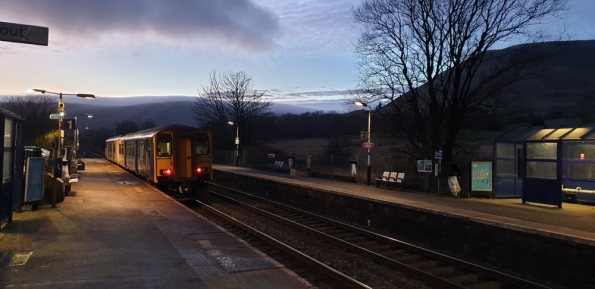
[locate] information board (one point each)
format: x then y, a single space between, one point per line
424 166
481 176
34 179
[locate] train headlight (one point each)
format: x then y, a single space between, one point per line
166 172
201 170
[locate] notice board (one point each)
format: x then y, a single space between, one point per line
481 176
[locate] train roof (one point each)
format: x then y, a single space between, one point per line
153 131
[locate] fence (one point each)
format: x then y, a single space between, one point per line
341 168
325 166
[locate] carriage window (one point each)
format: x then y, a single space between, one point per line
164 145
202 145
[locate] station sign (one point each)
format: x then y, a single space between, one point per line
438 155
22 33
55 116
368 145
69 124
363 134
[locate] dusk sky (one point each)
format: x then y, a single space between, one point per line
158 47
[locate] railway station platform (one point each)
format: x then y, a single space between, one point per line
114 231
573 221
547 242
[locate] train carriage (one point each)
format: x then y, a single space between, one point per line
176 158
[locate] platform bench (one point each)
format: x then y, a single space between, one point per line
277 165
391 179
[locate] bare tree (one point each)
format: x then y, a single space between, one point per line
430 60
36 110
229 97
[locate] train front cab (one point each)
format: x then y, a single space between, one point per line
183 159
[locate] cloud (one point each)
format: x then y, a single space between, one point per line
214 25
316 26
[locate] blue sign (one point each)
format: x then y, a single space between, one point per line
34 179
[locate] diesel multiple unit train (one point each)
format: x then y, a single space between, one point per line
175 158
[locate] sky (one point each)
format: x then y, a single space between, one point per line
169 47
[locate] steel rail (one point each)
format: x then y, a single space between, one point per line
334 274
402 266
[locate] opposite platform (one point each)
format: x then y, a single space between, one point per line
115 231
572 222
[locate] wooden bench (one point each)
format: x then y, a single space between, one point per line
391 179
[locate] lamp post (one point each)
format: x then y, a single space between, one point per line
237 141
369 171
61 111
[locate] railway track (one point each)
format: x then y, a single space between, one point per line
315 272
436 269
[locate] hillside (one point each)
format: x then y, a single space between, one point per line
562 84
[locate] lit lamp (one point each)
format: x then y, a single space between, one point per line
369 144
61 110
237 141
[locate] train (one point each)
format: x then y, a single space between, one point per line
176 158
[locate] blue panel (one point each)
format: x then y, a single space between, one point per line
34 179
543 191
507 187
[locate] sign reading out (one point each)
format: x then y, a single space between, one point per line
22 33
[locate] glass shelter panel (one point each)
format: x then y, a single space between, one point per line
505 168
579 170
542 170
505 150
542 151
579 151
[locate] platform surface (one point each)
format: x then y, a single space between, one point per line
574 222
114 231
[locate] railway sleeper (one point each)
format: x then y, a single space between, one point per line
369 243
486 285
345 235
355 239
335 232
470 278
381 248
425 264
394 253
408 258
443 271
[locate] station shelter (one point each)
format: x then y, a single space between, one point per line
551 165
12 163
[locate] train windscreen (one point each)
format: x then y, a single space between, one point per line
164 145
202 145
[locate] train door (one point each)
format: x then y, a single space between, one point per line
140 156
184 157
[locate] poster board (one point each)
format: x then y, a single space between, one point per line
424 166
481 176
34 179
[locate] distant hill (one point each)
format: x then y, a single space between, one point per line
563 85
107 112
564 81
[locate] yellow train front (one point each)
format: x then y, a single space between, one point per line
176 158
